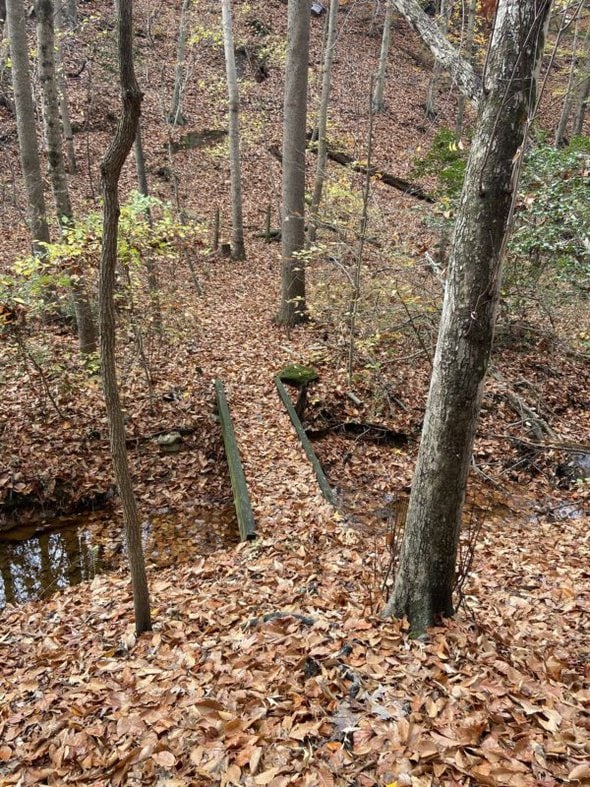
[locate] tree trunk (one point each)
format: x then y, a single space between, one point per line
238 251
323 120
446 8
293 308
176 117
57 173
111 166
469 39
25 123
445 53
64 107
583 91
426 574
378 102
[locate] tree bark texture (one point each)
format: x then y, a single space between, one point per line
426 574
25 123
293 308
323 119
378 101
57 173
238 251
445 53
111 167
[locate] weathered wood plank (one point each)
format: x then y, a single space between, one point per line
242 503
307 447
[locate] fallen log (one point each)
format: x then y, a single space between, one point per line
242 503
385 177
374 433
307 447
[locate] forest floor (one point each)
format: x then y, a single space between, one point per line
269 663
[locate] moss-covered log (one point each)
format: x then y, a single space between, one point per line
307 447
242 504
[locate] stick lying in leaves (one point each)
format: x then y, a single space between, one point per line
238 479
385 177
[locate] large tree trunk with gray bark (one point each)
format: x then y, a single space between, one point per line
426 573
111 167
293 309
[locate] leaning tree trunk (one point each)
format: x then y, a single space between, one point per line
111 166
426 573
238 251
176 117
323 121
25 124
293 308
57 172
467 81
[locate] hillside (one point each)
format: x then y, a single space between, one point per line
269 662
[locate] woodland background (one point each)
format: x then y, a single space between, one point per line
268 662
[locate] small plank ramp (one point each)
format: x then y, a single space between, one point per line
242 503
307 447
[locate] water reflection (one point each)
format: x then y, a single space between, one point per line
43 563
35 564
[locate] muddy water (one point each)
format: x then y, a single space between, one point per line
38 560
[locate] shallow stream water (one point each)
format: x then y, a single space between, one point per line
38 559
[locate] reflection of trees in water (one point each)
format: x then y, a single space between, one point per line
40 565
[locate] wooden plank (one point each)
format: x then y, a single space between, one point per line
236 471
307 447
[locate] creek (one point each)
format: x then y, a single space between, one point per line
38 559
